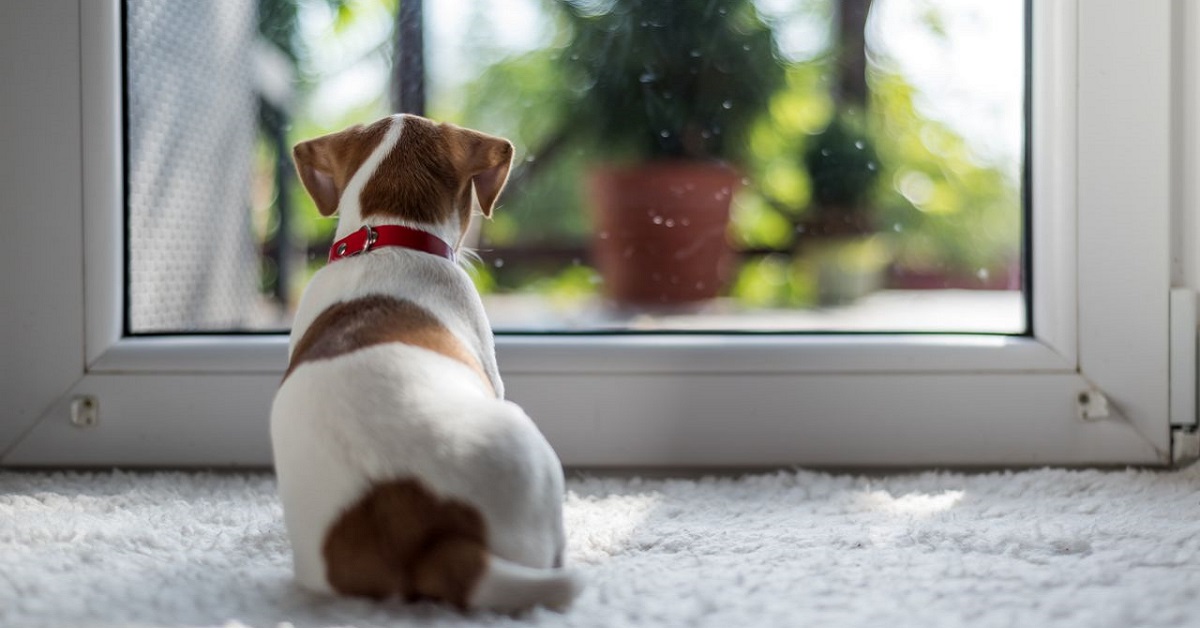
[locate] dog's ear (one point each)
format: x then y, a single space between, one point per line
315 165
486 159
327 163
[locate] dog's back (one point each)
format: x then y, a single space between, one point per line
401 469
445 482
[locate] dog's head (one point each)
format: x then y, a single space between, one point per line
405 168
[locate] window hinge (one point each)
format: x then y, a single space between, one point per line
1185 446
85 411
1092 405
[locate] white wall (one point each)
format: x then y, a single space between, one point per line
40 173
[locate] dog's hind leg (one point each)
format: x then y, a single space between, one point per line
400 539
449 570
358 561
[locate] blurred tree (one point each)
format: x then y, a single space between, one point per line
954 218
408 58
850 90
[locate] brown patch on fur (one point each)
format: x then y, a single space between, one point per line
416 180
326 164
352 325
400 539
428 176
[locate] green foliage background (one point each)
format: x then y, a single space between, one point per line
944 210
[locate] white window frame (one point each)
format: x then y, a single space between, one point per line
1107 248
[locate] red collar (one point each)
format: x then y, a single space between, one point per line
369 238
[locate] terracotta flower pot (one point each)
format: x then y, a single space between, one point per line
660 231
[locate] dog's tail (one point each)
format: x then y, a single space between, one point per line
508 587
499 585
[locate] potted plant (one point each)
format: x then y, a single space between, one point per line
839 233
668 92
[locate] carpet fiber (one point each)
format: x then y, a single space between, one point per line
1030 549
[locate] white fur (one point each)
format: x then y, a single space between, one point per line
438 285
394 411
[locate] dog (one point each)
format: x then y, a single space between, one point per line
402 470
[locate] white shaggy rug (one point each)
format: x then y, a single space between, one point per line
1028 549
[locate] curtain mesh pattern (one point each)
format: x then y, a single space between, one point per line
192 121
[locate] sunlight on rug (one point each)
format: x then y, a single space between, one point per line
1033 548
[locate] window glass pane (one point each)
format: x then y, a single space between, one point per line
775 165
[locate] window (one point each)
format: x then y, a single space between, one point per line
1110 286
740 165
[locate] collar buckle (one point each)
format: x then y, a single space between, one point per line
372 236
368 242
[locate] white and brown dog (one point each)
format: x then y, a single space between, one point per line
402 469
